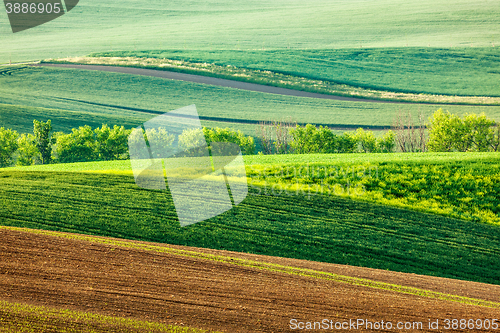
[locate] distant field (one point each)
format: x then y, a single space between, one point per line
71 98
448 71
277 24
318 228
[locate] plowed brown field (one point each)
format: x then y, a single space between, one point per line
136 281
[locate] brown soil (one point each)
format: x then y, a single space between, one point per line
168 288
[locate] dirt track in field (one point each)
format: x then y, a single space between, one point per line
216 82
58 272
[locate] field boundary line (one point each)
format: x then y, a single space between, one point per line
305 272
250 79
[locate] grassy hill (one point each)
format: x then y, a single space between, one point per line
449 71
324 228
277 24
72 98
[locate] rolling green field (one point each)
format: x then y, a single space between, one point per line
459 185
319 228
106 25
71 98
327 228
448 71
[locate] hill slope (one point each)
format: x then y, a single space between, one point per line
320 228
217 290
278 24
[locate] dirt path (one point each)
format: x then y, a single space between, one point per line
215 82
50 270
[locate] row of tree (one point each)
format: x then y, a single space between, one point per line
100 144
443 133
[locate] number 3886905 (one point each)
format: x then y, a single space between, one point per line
33 8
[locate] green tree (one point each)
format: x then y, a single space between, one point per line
43 140
442 134
387 142
111 143
8 145
162 140
78 146
217 134
367 141
310 139
478 132
193 142
27 151
448 132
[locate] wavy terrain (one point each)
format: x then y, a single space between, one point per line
219 290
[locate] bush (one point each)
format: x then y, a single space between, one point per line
310 139
217 134
8 145
27 152
387 142
448 132
111 144
78 146
189 139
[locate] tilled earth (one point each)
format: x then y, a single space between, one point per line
111 280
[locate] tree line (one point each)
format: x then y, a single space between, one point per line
444 132
104 143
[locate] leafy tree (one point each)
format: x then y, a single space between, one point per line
27 152
111 144
78 146
347 144
161 140
217 134
478 132
386 143
43 140
303 139
8 145
193 142
310 139
367 141
448 132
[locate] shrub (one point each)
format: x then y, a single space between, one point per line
8 145
27 152
217 134
78 146
111 144
387 142
448 132
310 139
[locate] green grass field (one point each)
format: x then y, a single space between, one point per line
278 24
71 98
328 228
448 71
459 185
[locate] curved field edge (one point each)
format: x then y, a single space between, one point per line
277 79
319 228
18 317
272 267
458 185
